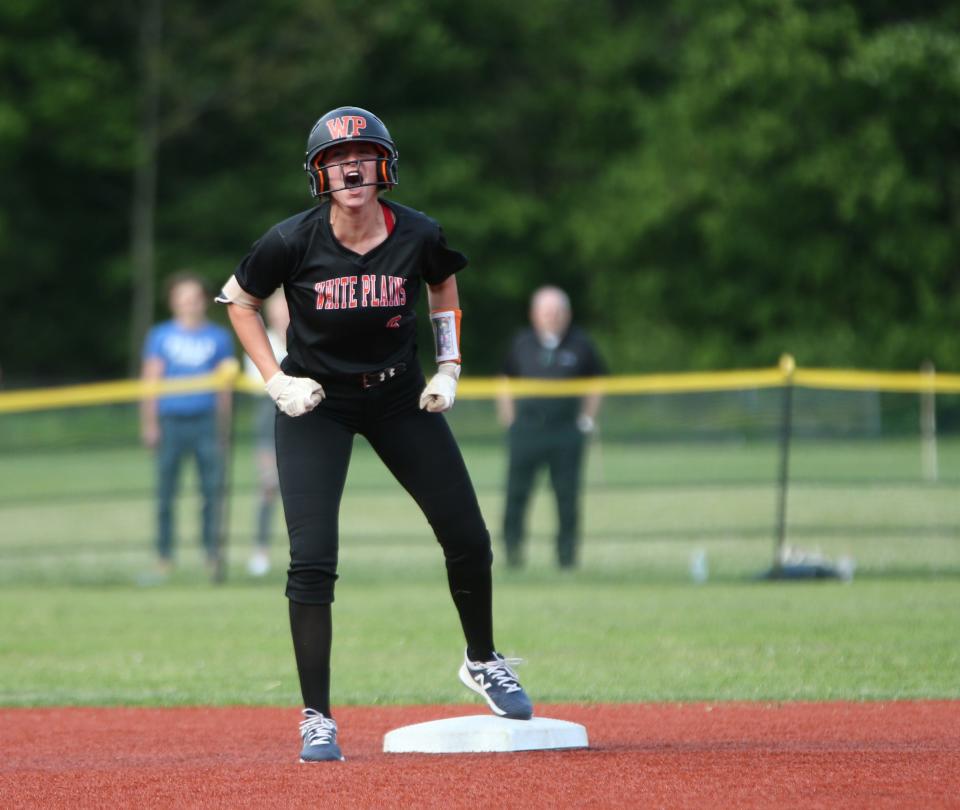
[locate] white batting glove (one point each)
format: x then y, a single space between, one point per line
295 396
441 391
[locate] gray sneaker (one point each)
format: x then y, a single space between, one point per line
497 683
319 736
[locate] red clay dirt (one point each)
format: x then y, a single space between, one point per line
809 755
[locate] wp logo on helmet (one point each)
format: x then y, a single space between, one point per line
346 126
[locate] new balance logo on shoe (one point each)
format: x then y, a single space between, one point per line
497 683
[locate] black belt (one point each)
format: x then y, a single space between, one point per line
374 378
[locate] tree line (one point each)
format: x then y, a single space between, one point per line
712 183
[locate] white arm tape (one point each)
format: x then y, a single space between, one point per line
233 293
444 325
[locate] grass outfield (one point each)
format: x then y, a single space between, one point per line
85 516
75 531
584 641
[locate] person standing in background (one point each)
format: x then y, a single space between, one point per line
194 424
277 318
548 431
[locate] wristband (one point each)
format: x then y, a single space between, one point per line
446 334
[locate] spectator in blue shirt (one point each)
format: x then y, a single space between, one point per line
179 425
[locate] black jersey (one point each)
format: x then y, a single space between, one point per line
574 356
349 314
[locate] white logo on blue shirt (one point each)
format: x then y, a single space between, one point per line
189 351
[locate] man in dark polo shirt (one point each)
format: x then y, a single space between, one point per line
548 431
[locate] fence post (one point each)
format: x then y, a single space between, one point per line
928 426
787 367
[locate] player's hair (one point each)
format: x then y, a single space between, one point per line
184 277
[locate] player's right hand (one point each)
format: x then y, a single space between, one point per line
295 396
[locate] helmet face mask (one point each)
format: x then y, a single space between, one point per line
346 125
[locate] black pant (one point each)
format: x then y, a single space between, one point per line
560 448
313 453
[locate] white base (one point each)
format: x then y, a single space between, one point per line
479 733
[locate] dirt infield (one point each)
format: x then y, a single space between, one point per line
904 754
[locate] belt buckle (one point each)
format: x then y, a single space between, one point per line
371 379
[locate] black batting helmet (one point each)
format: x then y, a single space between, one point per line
343 125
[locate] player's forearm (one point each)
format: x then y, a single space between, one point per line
444 302
445 315
252 335
444 295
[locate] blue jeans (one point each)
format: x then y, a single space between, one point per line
180 436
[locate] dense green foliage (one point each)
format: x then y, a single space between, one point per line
714 183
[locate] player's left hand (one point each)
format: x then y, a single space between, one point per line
441 391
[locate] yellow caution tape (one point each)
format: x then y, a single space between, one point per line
228 377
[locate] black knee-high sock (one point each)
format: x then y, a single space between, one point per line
472 593
312 631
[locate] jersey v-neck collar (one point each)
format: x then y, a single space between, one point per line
389 220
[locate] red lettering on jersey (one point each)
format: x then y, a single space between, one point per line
394 322
347 126
341 293
396 288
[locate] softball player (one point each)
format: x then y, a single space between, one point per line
351 269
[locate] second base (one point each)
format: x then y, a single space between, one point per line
484 733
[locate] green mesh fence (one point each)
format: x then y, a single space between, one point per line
676 485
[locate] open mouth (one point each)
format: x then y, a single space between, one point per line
352 179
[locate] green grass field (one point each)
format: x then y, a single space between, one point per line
584 641
629 625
